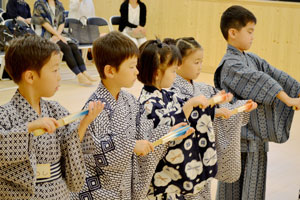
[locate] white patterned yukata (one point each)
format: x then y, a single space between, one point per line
20 152
113 169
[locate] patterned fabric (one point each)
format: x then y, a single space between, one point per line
227 132
113 170
252 183
42 14
20 152
247 76
189 163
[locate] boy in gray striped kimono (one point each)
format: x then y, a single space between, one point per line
248 76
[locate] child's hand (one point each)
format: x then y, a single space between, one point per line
200 100
143 147
223 112
253 106
46 123
95 108
187 133
295 102
228 98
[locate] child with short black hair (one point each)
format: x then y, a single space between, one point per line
227 130
121 164
189 163
51 165
248 76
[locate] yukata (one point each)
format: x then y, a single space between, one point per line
21 153
189 163
113 169
247 76
227 131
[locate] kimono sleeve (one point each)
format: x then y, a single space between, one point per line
248 83
285 80
13 139
228 145
17 157
144 166
73 167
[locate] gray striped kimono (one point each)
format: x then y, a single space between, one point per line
247 76
227 132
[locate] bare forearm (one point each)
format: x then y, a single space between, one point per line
50 29
282 96
61 28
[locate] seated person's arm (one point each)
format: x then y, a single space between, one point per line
56 36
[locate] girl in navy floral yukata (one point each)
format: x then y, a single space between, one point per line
189 163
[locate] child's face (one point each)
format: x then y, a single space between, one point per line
166 79
47 83
127 74
191 65
244 37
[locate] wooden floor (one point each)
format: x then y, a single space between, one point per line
283 178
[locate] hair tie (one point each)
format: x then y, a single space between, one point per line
159 43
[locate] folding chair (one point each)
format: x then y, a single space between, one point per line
8 23
114 20
66 13
83 47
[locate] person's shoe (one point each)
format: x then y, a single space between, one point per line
89 77
82 79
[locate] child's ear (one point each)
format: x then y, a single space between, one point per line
29 76
109 71
232 32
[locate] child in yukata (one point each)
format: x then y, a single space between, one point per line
227 130
120 164
188 163
248 76
51 165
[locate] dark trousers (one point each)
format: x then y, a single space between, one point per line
72 56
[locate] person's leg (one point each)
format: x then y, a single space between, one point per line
71 62
233 191
255 177
80 61
68 56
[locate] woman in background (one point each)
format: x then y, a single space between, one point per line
50 21
18 9
133 20
79 8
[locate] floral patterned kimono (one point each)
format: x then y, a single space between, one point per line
228 133
189 163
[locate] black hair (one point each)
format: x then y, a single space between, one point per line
235 17
112 49
156 55
30 52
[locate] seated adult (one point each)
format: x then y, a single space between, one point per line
49 20
133 20
18 9
79 8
